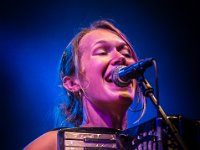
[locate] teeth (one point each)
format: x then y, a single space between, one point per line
109 79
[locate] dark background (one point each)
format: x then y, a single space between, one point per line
33 35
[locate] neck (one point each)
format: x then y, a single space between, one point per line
94 117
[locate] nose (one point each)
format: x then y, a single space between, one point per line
118 59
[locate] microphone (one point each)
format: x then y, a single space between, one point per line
123 75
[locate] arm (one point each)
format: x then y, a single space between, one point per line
47 141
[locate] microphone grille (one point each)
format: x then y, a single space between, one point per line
116 79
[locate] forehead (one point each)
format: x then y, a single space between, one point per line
97 35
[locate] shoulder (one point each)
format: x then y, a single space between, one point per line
47 141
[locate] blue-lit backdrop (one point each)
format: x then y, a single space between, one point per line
33 35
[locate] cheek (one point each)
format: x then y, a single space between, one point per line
92 66
91 72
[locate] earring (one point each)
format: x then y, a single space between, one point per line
79 93
69 94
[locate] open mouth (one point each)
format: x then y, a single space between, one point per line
109 79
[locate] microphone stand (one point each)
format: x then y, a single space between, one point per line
148 92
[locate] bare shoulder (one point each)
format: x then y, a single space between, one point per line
47 141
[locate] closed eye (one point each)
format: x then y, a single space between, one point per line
126 52
100 51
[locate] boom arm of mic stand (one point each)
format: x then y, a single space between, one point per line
148 92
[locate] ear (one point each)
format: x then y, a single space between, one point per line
71 84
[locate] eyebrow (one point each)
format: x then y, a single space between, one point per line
107 42
100 42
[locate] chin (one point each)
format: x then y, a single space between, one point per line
125 98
